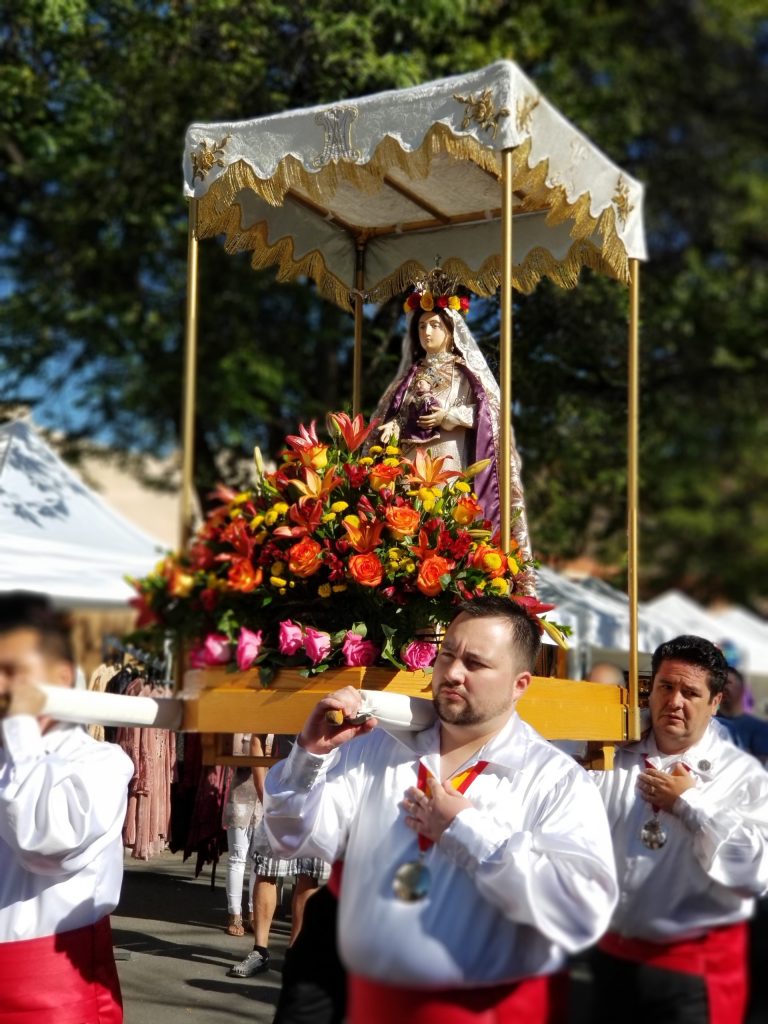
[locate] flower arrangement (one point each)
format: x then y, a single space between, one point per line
427 301
344 555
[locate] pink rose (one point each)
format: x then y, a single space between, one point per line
317 644
357 651
419 654
248 647
214 650
291 637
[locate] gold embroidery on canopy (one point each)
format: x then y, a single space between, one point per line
206 155
337 123
621 200
482 111
525 108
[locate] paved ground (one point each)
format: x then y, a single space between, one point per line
172 924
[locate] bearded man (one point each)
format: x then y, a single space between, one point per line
476 856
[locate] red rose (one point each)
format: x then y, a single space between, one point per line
442 302
402 521
464 303
243 576
366 570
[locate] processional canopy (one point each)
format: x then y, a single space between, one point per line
410 175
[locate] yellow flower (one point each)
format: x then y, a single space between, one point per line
391 449
427 302
291 583
281 591
324 590
375 449
278 581
367 461
280 507
391 462
277 568
339 588
514 565
453 302
329 517
257 520
499 586
394 554
339 506
481 585
410 566
352 519
271 517
463 486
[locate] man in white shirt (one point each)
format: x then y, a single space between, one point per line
451 905
689 818
62 803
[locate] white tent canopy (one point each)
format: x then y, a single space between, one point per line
747 632
363 195
56 535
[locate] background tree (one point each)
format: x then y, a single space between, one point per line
94 100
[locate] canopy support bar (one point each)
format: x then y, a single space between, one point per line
357 366
190 381
505 345
633 386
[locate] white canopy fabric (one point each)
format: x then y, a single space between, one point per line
56 535
387 183
735 626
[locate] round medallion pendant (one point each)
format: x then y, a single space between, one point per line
411 882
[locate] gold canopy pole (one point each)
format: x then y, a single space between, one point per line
505 344
190 382
357 366
633 725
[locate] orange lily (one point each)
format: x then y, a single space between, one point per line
429 472
365 537
353 431
317 486
307 445
306 514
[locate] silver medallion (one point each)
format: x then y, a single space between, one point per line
652 834
412 881
704 766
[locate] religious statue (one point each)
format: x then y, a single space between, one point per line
445 400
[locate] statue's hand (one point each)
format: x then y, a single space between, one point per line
432 419
387 430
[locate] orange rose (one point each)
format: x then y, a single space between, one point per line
383 476
366 569
466 511
304 558
402 521
244 576
431 569
492 561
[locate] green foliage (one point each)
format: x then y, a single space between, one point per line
94 100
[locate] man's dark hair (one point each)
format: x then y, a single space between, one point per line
526 638
694 650
22 609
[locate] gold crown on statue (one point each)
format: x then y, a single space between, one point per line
436 290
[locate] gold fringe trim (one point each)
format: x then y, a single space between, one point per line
219 213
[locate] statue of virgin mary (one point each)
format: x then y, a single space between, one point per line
445 400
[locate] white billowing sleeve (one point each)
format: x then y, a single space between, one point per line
58 812
557 875
309 802
731 842
461 409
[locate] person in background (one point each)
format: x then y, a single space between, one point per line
475 854
689 818
242 813
63 799
747 731
269 871
606 672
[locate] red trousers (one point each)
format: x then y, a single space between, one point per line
533 1001
69 978
719 958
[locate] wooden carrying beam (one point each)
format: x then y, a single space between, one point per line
220 702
